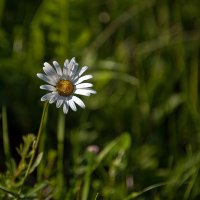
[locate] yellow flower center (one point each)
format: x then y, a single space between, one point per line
64 88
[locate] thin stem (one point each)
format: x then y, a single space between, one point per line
35 145
41 148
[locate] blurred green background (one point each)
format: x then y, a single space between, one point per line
144 55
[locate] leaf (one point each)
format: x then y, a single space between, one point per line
37 162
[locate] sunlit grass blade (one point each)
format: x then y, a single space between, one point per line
133 195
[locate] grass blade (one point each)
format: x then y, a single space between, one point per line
136 194
6 145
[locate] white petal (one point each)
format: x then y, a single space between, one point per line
78 101
65 107
46 79
72 105
65 72
54 98
47 97
85 91
66 63
82 92
72 73
82 70
65 68
49 70
84 85
72 67
59 102
58 68
75 67
91 90
71 64
83 78
47 87
79 73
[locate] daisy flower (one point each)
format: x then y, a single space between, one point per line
64 84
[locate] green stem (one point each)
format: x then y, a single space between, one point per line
60 138
41 148
35 145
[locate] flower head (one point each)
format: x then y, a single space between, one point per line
64 84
